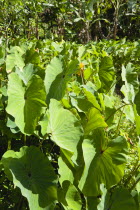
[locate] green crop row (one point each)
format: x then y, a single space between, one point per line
69 125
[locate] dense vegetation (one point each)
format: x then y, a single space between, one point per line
70 105
74 20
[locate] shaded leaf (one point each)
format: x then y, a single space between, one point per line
121 199
33 174
137 102
106 72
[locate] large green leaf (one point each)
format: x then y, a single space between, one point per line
57 76
25 104
103 164
120 199
33 174
63 127
106 72
16 101
53 69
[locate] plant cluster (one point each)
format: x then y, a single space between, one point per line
75 20
69 125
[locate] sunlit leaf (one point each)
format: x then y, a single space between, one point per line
57 76
95 120
26 73
25 103
103 164
130 77
14 58
63 126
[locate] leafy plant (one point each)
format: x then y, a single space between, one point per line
69 140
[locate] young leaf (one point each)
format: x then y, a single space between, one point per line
95 120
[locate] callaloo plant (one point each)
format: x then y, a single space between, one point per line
68 140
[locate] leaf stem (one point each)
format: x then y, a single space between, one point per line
118 126
116 111
9 144
51 148
133 186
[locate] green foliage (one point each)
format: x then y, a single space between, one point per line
70 125
95 120
119 199
79 21
106 72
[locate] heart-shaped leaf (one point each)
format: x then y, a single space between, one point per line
25 103
64 127
57 76
103 164
33 174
